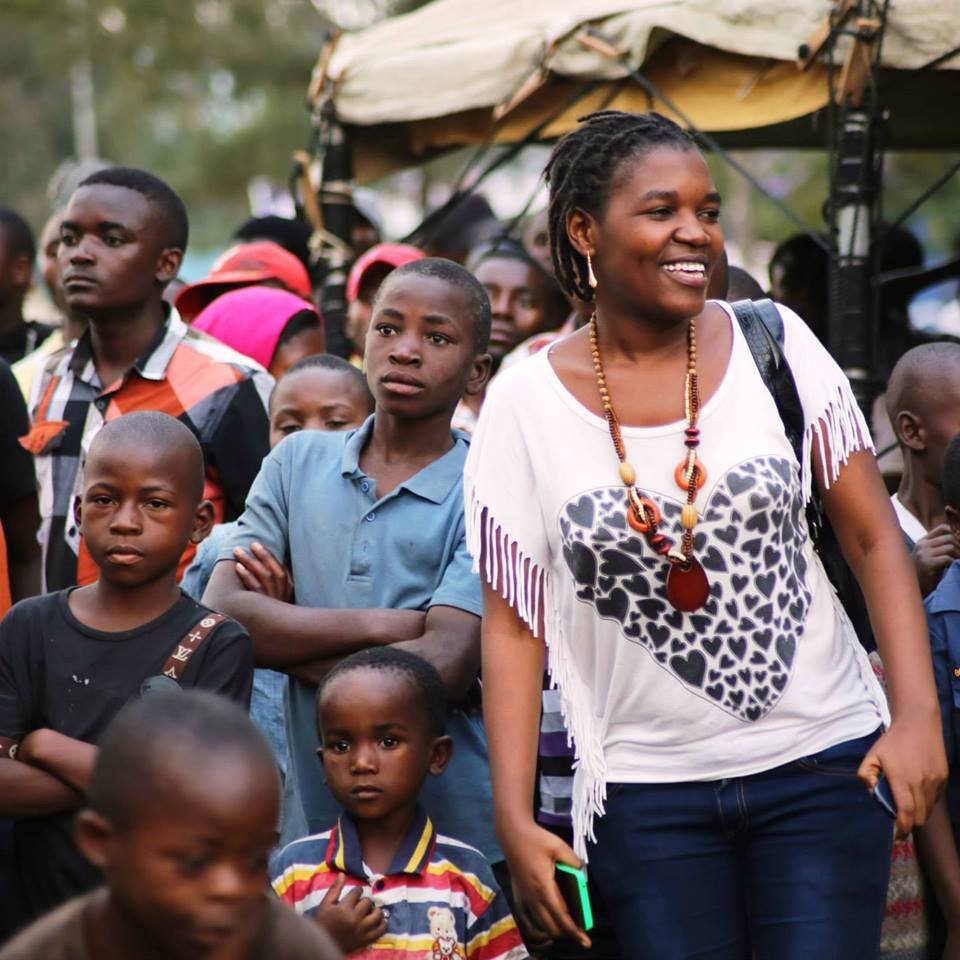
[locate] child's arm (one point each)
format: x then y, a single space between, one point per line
451 642
938 852
286 635
910 753
27 791
451 635
69 760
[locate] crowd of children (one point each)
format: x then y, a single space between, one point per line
240 686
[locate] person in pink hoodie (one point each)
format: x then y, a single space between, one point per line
271 326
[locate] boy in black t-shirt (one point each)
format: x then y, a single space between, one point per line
184 856
70 660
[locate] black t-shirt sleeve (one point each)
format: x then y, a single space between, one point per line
16 687
224 663
17 479
239 444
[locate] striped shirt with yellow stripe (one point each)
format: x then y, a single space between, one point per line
439 896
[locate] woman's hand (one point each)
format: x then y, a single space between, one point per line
532 854
535 939
911 756
261 572
951 949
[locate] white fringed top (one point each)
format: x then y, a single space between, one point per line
770 669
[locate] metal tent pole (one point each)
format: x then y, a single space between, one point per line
337 213
853 208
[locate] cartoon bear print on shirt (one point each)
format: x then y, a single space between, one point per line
738 650
443 929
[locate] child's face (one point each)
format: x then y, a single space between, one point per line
518 302
191 872
317 399
306 343
376 744
110 254
137 514
420 354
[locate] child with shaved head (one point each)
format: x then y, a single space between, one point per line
184 857
69 661
923 400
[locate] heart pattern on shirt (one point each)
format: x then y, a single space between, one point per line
738 651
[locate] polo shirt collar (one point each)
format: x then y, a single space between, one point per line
345 855
434 482
153 362
947 595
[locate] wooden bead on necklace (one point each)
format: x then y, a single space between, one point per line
687 585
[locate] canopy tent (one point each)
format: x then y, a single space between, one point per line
455 72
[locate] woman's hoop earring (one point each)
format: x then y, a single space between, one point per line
591 276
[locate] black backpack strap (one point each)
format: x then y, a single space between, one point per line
762 328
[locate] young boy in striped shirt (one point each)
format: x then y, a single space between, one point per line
382 882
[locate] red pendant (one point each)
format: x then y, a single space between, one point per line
687 586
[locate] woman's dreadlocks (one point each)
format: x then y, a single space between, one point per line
580 172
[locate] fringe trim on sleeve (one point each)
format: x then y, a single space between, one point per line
529 589
839 431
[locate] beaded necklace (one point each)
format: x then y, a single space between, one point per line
687 586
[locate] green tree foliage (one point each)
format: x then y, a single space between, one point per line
207 93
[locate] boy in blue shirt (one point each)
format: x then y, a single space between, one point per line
371 526
939 838
943 624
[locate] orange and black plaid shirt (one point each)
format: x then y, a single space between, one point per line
218 393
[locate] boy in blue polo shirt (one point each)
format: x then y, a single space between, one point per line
371 525
943 625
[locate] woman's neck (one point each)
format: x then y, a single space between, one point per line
623 332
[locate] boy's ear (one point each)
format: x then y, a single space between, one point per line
322 764
77 511
94 835
910 431
168 265
953 519
203 521
479 374
440 753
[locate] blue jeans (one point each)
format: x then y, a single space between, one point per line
790 864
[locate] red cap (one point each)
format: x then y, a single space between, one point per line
392 254
242 266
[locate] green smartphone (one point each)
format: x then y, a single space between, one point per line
572 882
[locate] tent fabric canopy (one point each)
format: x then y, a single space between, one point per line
454 55
435 77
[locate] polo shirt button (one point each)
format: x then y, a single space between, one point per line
365 486
101 405
370 517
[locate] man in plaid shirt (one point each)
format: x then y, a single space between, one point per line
121 242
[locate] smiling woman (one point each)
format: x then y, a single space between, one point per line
637 510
